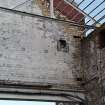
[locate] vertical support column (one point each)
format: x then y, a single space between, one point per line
52 9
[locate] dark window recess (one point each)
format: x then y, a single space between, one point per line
79 79
102 38
76 36
62 45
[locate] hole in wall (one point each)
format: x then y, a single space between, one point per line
62 45
79 79
76 36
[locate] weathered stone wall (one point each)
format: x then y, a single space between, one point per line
38 55
93 64
91 72
28 50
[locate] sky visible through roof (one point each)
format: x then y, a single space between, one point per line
91 7
98 7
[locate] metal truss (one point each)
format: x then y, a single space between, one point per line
53 19
77 6
93 11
